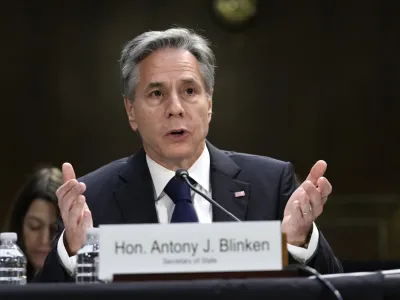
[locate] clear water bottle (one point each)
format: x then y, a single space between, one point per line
87 258
12 260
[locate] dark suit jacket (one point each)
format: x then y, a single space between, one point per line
122 192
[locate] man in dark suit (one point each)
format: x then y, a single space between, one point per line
167 83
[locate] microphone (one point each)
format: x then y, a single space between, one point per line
182 174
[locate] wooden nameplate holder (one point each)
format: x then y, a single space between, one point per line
213 275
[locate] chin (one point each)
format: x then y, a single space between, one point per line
178 151
38 263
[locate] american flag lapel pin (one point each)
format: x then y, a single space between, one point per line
239 194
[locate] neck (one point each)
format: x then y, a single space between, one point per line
178 163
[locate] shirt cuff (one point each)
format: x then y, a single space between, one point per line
302 255
68 262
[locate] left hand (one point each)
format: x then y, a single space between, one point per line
305 205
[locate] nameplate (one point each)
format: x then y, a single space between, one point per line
190 248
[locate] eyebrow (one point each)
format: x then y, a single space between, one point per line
189 81
159 84
153 85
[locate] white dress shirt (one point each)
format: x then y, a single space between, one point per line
200 172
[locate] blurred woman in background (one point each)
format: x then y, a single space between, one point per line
34 216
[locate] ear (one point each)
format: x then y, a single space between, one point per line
130 110
210 106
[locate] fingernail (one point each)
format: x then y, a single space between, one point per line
305 208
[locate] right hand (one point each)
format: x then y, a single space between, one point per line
74 211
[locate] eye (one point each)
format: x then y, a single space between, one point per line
35 227
190 91
156 93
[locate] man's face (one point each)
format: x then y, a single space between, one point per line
171 110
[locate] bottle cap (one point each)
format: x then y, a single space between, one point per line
93 231
8 236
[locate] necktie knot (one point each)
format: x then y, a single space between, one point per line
179 192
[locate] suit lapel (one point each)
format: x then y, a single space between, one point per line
135 196
224 185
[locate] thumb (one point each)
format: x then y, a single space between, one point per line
68 172
317 171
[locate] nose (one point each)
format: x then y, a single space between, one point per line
174 106
45 237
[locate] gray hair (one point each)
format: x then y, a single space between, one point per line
143 45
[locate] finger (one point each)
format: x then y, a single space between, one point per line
317 171
86 221
65 188
305 207
294 197
75 214
68 172
68 200
324 187
314 195
296 216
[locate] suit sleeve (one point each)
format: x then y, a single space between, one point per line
324 261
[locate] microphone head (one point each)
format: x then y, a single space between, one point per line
181 174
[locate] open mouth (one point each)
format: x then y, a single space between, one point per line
177 132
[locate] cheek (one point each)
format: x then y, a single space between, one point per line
29 239
149 122
205 116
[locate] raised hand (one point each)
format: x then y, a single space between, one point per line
74 211
305 205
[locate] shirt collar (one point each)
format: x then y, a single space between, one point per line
199 171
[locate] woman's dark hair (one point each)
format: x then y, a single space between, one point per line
42 184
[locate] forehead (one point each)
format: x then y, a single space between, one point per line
169 64
41 208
